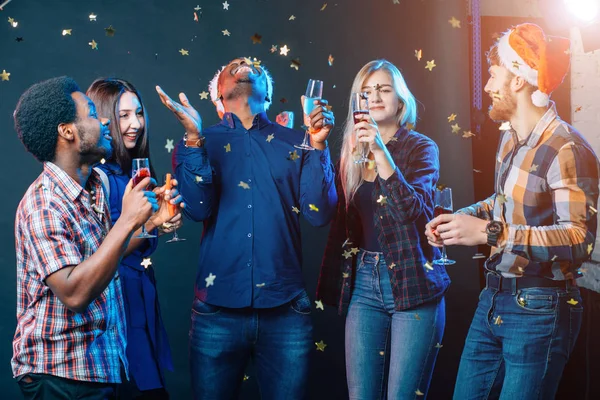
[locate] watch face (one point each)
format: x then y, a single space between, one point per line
494 227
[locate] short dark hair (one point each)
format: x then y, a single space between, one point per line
39 112
106 94
493 58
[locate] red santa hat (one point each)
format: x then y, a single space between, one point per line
541 60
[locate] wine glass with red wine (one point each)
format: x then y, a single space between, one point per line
360 106
140 169
442 200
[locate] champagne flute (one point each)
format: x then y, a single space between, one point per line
360 106
442 200
314 91
140 169
172 209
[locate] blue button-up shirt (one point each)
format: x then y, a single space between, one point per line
249 187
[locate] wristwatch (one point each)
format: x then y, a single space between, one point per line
197 143
493 230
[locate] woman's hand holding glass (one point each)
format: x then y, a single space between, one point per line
168 217
366 131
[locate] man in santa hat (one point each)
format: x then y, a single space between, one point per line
248 183
540 224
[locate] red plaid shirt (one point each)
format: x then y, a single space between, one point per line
59 225
403 205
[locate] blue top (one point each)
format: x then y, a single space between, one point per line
148 348
249 188
364 205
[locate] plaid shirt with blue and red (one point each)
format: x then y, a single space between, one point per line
546 197
403 204
59 224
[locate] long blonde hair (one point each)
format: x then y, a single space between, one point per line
350 173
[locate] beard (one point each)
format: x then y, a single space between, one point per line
504 108
90 149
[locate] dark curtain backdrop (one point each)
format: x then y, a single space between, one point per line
144 50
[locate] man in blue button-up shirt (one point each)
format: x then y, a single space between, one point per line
248 184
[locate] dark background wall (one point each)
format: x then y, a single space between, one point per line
144 49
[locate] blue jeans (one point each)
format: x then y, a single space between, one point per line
279 340
376 335
518 343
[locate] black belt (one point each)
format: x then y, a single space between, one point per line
498 282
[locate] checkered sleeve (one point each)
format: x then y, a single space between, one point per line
50 243
410 192
573 179
483 209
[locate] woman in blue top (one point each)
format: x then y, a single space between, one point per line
148 349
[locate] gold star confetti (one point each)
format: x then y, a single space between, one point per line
533 168
66 32
284 50
467 134
392 265
578 108
330 60
324 6
477 171
244 185
226 33
312 207
417 317
345 275
430 65
319 305
296 210
293 155
567 51
498 321
93 44
4 75
590 248
395 1
573 302
496 36
273 48
13 22
199 179
419 54
501 198
295 64
505 126
256 38
478 256
110 31
439 346
259 285
146 262
451 117
382 200
169 146
321 345
292 17
184 52
270 137
204 95
347 242
454 22
347 254
246 377
428 266
371 164
226 5
382 353
210 279
516 64
103 161
593 210
496 95
354 250
93 17
419 393
455 128
409 126
554 258
227 147
197 8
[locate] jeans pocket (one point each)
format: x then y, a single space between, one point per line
201 308
301 304
536 300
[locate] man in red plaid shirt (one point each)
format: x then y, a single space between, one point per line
70 338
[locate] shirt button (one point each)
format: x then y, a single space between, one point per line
249 264
249 235
249 205
249 180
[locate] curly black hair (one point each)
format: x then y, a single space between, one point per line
40 110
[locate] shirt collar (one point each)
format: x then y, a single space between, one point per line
65 183
543 124
260 120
